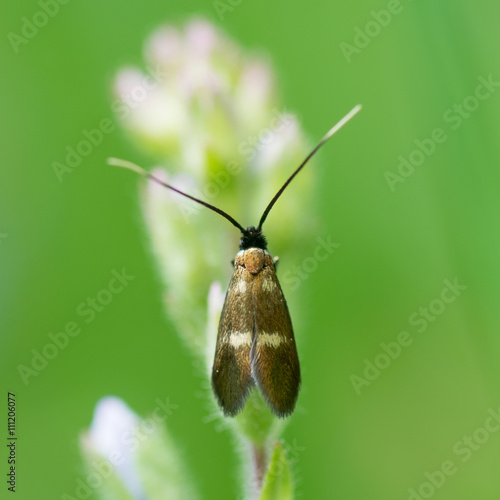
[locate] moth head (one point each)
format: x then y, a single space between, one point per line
252 237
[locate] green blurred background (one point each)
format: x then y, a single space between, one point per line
397 246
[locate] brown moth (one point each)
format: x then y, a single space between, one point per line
255 341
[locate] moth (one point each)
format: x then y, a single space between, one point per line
255 340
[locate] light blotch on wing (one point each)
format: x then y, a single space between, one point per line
268 285
241 286
238 339
271 339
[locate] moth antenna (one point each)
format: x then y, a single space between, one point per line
117 162
329 134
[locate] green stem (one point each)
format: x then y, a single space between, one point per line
259 462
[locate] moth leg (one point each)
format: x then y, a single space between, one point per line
276 259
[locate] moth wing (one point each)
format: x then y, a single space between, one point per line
273 357
231 372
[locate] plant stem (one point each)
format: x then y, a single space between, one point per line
259 462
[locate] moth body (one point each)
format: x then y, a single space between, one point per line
255 342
